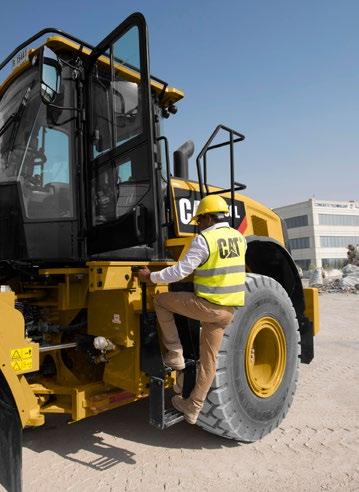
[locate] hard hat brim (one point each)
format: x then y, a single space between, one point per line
194 219
210 204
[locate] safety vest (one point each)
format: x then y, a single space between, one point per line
221 278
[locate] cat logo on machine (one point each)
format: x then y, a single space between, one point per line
187 201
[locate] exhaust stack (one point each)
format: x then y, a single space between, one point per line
180 159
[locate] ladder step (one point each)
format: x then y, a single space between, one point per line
161 417
172 417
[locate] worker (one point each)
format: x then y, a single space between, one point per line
353 255
217 258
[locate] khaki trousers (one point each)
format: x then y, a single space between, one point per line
214 319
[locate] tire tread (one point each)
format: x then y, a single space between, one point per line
215 417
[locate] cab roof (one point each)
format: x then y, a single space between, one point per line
59 43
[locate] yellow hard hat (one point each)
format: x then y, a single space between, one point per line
211 204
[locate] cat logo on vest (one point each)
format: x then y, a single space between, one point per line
228 248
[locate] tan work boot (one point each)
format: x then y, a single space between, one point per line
187 407
178 386
174 360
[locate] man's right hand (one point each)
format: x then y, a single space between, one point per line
144 274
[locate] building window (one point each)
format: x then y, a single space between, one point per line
338 241
299 221
299 243
340 220
304 264
333 262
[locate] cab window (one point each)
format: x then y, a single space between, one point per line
118 187
45 176
117 115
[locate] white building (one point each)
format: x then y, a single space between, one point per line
319 231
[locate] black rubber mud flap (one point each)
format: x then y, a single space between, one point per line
306 340
10 440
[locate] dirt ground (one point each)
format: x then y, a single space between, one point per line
315 448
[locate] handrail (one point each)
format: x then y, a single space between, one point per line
202 180
38 35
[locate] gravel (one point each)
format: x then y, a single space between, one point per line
315 448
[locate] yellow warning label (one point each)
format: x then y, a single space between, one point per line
15 354
21 359
26 353
16 366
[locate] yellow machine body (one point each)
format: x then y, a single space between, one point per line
111 295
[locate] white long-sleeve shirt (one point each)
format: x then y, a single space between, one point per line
196 255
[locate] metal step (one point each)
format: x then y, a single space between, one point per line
172 417
159 416
152 364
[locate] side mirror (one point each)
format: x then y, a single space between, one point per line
50 70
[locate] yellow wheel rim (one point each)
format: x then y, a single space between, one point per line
265 357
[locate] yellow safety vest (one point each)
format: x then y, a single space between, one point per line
221 278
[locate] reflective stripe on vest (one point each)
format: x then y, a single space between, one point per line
221 278
231 289
220 271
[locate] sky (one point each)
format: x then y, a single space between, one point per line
283 73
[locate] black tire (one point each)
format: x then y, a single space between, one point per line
232 409
10 440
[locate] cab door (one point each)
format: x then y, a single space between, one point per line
121 180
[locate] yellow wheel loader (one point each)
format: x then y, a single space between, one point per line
87 196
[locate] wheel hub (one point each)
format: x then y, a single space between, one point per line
265 356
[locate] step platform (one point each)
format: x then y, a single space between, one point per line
160 417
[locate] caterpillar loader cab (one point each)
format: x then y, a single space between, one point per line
79 165
87 197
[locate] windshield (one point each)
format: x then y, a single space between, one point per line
35 149
15 127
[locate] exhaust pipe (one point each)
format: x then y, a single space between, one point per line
180 159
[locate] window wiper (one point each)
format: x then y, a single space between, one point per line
15 117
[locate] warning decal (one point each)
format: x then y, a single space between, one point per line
21 359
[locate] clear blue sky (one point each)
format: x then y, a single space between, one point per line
284 73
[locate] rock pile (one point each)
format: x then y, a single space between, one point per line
345 281
350 278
